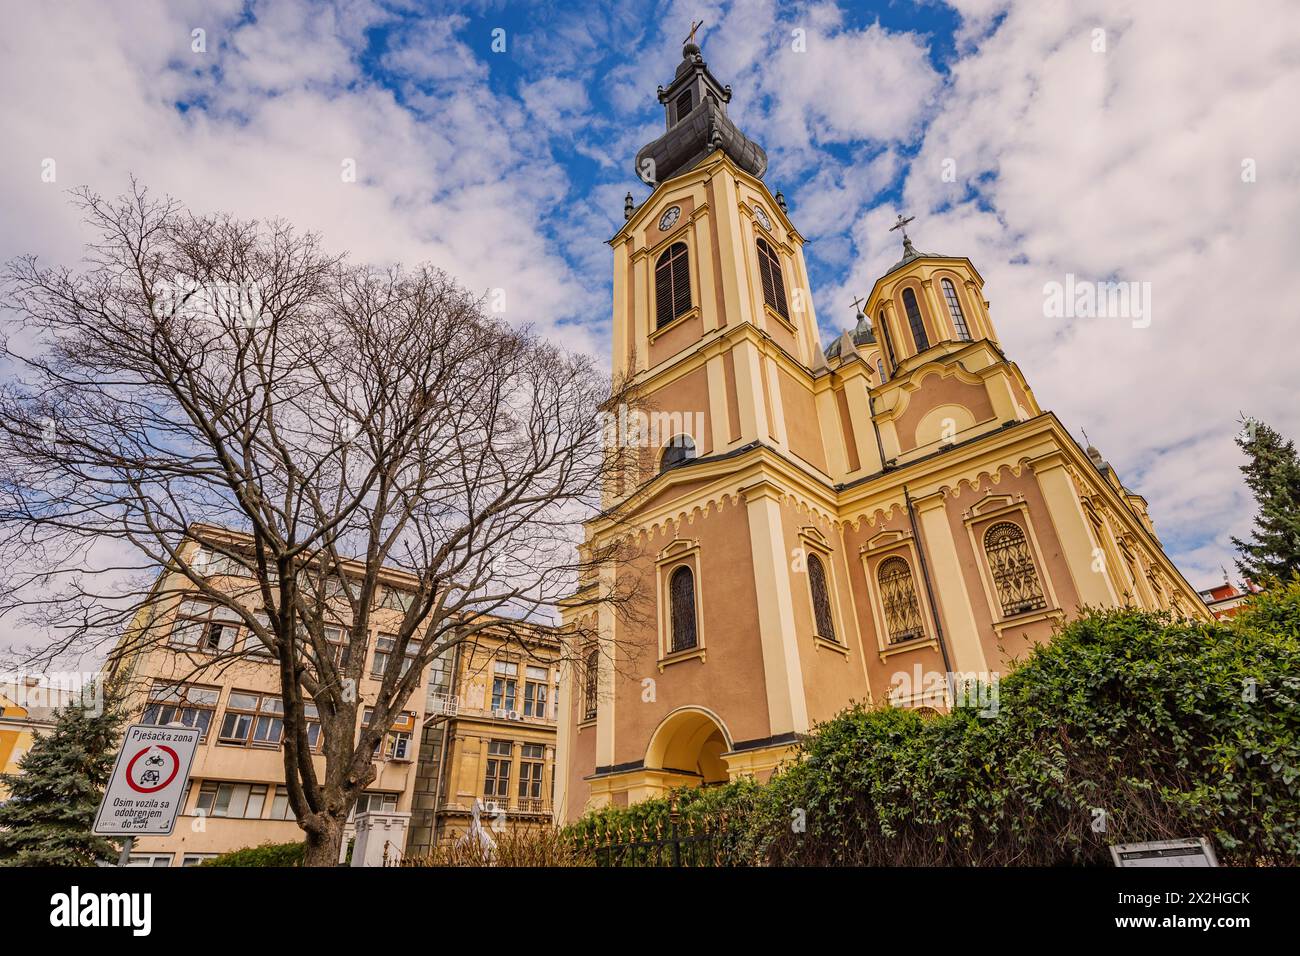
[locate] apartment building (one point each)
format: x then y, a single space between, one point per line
490 738
188 660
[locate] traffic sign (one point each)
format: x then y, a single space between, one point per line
148 783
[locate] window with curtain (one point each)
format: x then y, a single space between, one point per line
914 320
672 284
1012 566
954 309
769 270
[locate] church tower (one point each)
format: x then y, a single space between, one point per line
877 520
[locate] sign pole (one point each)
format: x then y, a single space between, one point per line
125 857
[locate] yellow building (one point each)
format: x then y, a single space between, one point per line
188 660
497 716
28 707
874 521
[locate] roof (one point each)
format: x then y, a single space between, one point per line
704 129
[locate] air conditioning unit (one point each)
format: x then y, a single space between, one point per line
514 715
500 713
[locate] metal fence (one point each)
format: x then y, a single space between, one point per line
675 842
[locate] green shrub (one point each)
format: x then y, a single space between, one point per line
1128 726
268 854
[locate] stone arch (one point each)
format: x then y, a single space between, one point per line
690 741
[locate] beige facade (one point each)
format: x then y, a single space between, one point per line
497 715
185 660
869 522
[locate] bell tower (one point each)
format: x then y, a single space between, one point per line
709 275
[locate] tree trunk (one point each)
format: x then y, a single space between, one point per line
324 840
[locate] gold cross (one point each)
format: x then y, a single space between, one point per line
902 224
694 26
858 303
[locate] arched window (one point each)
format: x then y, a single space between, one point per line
914 320
681 597
898 595
880 367
1014 576
680 449
591 683
821 598
954 307
889 341
769 268
672 284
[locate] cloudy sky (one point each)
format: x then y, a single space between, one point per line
1133 141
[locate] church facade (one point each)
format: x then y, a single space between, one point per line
881 520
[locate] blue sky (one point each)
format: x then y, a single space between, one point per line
1102 139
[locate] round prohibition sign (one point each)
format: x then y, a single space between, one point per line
130 769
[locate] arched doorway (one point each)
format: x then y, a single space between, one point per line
690 742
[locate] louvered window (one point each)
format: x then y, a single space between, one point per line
914 320
954 308
1014 576
681 592
821 598
898 595
889 341
684 104
672 284
769 268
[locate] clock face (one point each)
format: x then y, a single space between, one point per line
669 218
762 218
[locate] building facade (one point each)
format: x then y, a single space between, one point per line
876 521
492 724
188 660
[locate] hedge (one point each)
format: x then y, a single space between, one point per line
268 854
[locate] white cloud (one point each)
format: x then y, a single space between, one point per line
1127 164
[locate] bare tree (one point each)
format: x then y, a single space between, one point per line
202 373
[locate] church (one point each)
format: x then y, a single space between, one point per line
883 520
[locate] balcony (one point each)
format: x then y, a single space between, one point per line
490 806
444 705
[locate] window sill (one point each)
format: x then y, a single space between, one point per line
826 642
692 312
679 656
773 314
913 645
1028 617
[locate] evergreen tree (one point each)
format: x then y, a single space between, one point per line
1273 477
47 819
